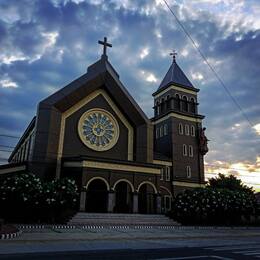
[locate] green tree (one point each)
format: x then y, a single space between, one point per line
230 182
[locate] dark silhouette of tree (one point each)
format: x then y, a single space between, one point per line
230 182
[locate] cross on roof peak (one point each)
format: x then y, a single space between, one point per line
173 54
105 45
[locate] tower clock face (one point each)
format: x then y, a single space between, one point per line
98 129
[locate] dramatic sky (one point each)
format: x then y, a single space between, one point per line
45 44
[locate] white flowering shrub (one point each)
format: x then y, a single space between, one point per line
25 198
22 188
62 192
213 206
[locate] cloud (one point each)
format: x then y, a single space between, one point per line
248 172
197 76
46 44
257 128
6 82
144 53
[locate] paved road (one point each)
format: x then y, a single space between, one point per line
246 251
123 244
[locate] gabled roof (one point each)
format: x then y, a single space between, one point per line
101 74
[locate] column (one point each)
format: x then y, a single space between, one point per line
158 204
111 202
82 206
135 202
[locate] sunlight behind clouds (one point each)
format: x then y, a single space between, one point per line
144 53
148 76
257 128
7 83
197 76
248 172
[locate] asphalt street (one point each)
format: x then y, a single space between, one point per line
249 251
123 244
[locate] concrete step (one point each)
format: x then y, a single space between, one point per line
82 218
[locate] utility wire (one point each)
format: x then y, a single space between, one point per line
7 146
206 165
3 150
209 65
9 136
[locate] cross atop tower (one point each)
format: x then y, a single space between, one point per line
173 54
105 45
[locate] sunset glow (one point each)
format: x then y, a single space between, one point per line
249 173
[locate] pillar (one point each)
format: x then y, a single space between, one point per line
135 203
82 206
111 202
158 204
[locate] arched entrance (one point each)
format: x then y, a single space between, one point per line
123 197
146 199
97 196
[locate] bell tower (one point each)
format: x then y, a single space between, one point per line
178 127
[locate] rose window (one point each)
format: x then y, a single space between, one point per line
98 129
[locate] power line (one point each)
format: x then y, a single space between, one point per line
209 65
9 136
206 165
3 150
7 146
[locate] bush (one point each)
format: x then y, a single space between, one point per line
24 198
209 206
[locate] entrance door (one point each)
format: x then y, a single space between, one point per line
146 199
96 200
123 198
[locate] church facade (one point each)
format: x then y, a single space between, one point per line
93 131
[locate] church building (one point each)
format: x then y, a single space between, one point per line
93 131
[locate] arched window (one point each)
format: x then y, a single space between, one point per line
161 131
192 105
192 130
162 173
180 129
162 105
168 173
168 102
188 171
187 130
190 151
177 103
184 150
165 129
157 133
185 103
157 108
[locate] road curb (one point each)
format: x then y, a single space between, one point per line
92 226
10 235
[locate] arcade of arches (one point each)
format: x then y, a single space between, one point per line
98 196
